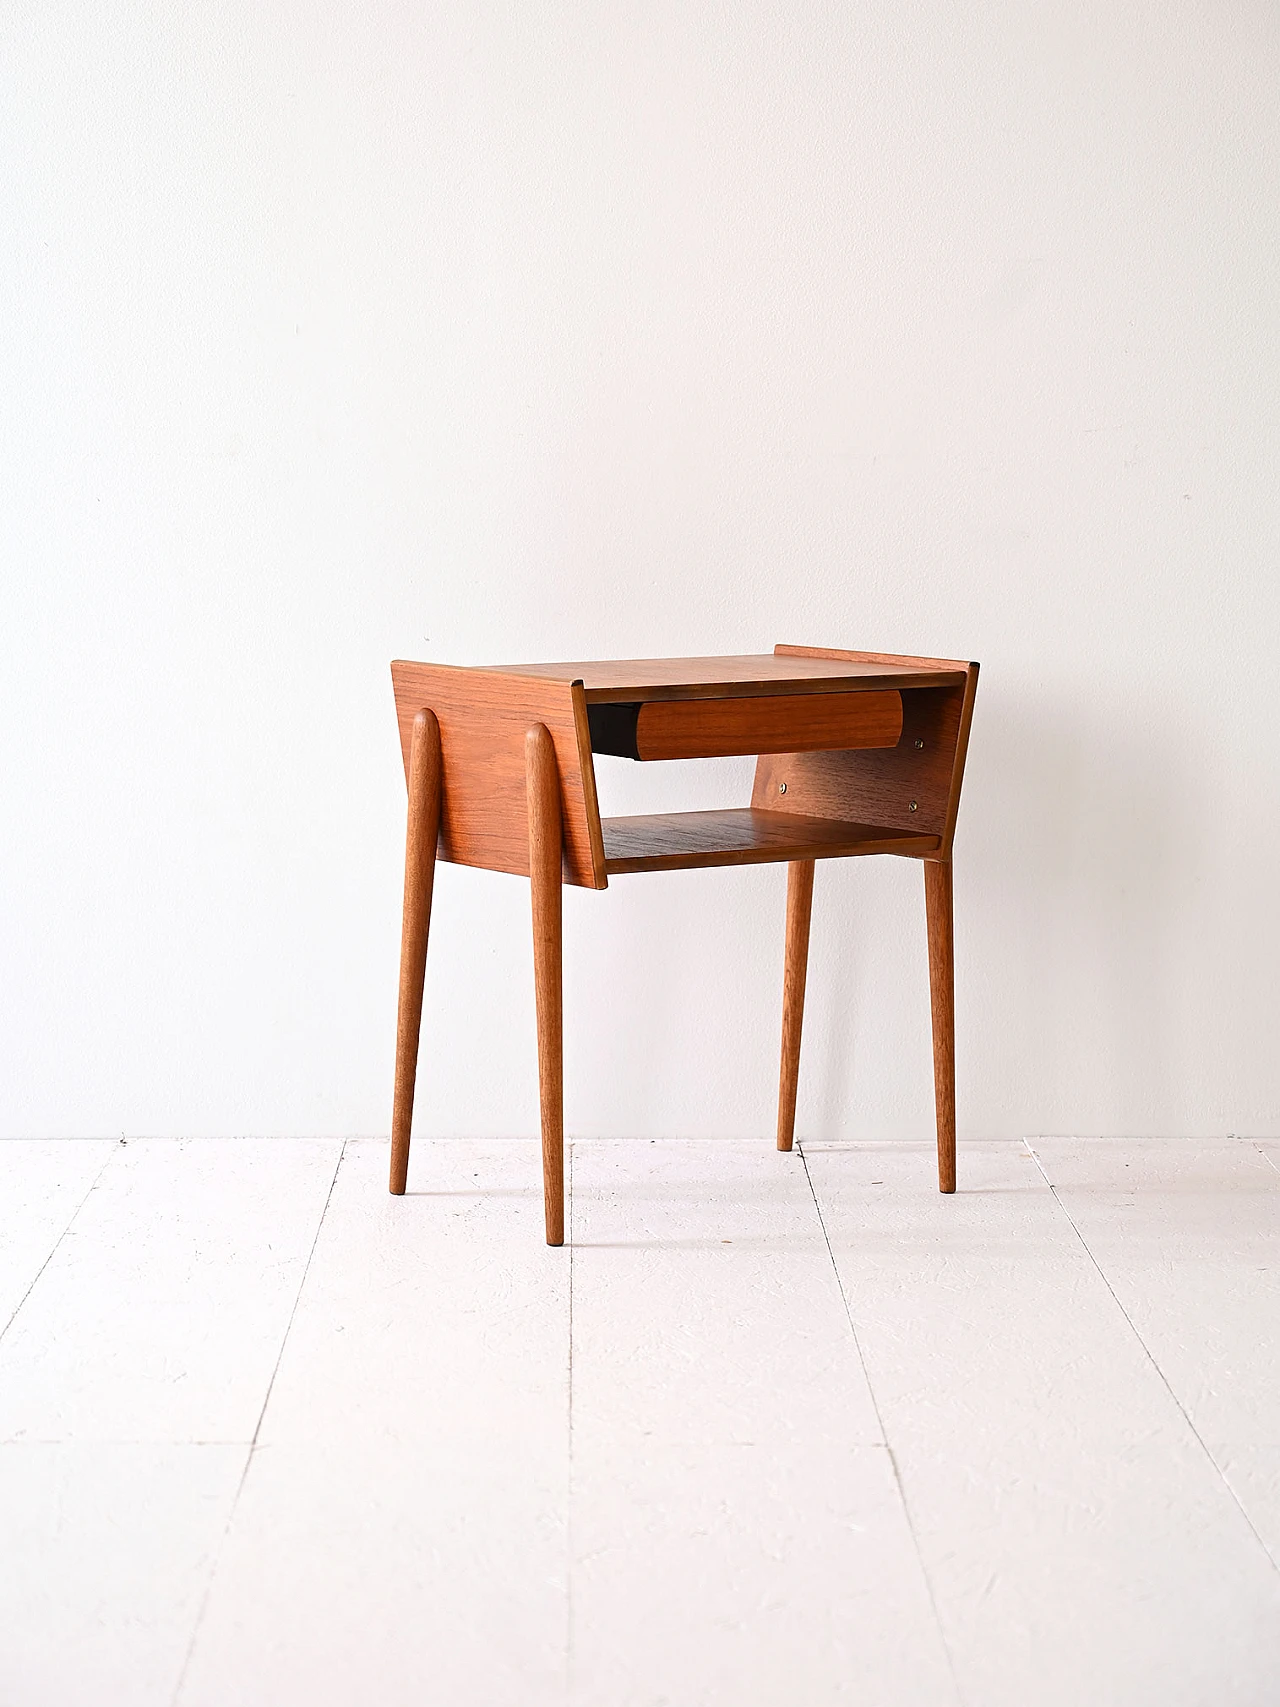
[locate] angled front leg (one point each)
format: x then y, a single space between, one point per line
542 781
419 879
799 908
942 995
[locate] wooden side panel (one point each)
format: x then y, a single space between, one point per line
587 771
961 754
914 785
484 717
717 728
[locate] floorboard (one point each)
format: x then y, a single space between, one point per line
105 1557
731 1507
770 1427
42 1186
161 1314
403 1522
1080 1543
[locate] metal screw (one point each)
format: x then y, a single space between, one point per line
919 742
915 805
782 788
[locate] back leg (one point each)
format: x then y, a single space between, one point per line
942 996
799 910
545 856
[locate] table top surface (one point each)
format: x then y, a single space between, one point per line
620 680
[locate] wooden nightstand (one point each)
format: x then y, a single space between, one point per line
859 753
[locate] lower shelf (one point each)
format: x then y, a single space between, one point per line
676 841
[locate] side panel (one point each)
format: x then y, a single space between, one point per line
879 787
484 717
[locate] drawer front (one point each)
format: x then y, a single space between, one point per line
718 728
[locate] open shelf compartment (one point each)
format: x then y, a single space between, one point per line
677 841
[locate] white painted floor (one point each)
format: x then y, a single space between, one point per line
770 1429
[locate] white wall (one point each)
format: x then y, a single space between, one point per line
332 333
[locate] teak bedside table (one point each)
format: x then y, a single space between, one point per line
859 753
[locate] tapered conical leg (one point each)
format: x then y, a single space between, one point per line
419 879
937 901
545 839
799 909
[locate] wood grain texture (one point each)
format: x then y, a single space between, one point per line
590 801
959 757
546 890
938 912
795 970
484 716
774 723
677 841
903 660
795 671
926 766
875 787
419 879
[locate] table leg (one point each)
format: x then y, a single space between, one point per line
419 879
799 909
545 843
937 901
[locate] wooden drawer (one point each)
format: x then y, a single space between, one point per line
718 728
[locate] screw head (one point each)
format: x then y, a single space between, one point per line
919 742
915 805
782 788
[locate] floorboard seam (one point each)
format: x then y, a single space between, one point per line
253 1444
111 1155
1183 1412
892 1456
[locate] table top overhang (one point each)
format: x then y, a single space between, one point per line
607 681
